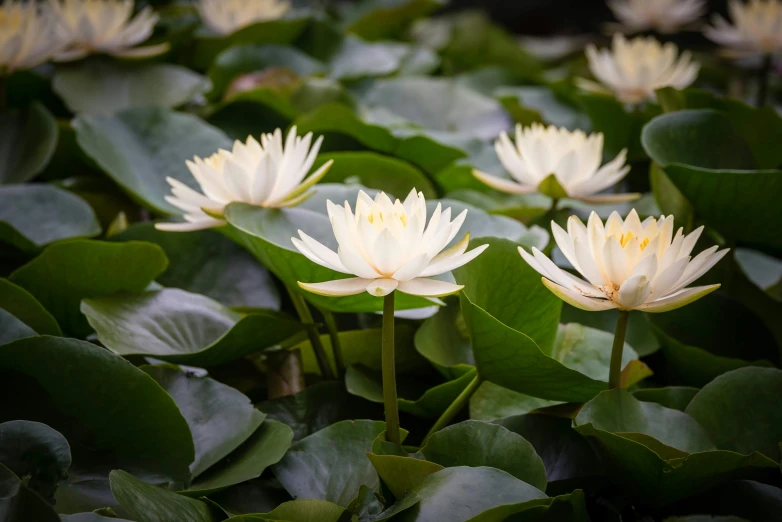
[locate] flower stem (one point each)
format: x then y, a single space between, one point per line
389 371
615 373
336 344
763 79
454 408
312 331
553 207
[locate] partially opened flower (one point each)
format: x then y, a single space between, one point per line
27 35
572 158
389 246
228 16
756 29
104 27
664 16
267 174
633 70
627 264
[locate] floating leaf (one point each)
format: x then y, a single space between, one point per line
402 474
30 137
20 303
378 19
300 510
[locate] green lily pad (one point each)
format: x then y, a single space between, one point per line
639 331
740 411
30 137
300 510
673 397
436 399
331 463
491 402
139 148
253 112
21 304
125 410
545 103
570 508
12 328
147 503
205 262
58 215
444 341
475 443
177 326
763 270
90 517
220 417
18 502
402 474
65 273
379 19
356 59
102 86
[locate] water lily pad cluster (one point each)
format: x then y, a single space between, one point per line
155 370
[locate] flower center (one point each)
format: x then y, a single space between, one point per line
625 238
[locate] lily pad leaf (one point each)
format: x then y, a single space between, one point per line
22 305
436 399
18 502
378 19
177 326
12 328
475 443
126 410
29 140
401 474
58 215
300 510
65 273
331 463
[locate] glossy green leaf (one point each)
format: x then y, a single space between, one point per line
30 137
402 474
300 510
140 148
763 270
740 411
639 331
668 197
551 109
674 397
564 508
100 86
65 273
621 129
253 112
588 350
174 325
18 503
331 463
491 402
264 447
205 262
375 171
356 59
378 19
475 443
147 503
444 341
460 493
436 399
21 304
125 410
220 417
90 517
12 328
58 215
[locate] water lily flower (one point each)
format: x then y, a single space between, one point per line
389 246
27 36
228 16
756 29
104 27
628 264
632 70
267 174
558 163
664 16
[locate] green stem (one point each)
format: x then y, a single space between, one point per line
553 207
454 408
336 344
763 79
615 375
389 372
312 331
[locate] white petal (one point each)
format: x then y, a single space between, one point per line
614 261
382 287
412 268
678 299
634 291
578 300
386 253
188 227
318 253
503 185
665 280
586 263
428 287
338 287
451 263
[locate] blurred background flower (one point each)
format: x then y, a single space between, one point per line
228 16
663 16
28 35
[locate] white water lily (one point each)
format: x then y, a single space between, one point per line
389 246
27 35
228 16
664 16
104 27
628 264
756 28
267 174
633 69
573 158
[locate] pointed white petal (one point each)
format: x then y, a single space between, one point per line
428 287
578 300
634 292
678 299
338 287
382 287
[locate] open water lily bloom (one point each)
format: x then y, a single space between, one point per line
27 35
756 28
389 246
573 158
228 16
266 173
634 69
627 264
104 27
664 16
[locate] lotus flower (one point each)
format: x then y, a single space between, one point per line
629 265
27 36
756 29
104 27
572 158
633 70
389 246
228 16
664 16
266 174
